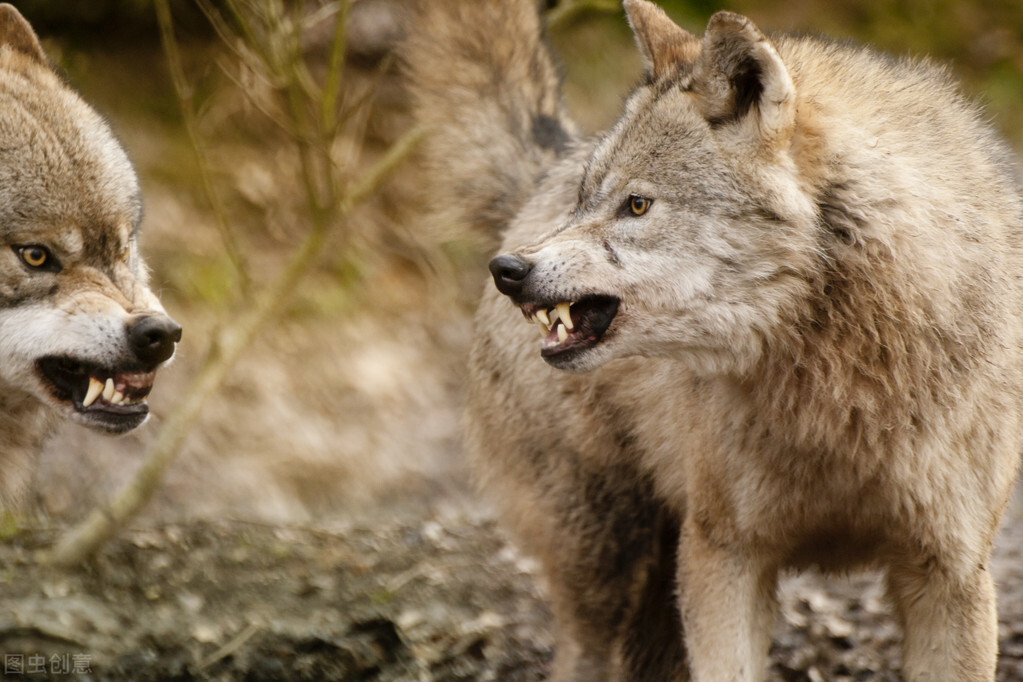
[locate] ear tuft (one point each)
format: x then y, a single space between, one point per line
663 43
16 32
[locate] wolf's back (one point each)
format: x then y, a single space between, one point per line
485 85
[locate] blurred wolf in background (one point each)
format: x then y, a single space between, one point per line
81 334
781 312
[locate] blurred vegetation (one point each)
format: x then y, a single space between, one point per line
981 40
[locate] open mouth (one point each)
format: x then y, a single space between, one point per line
571 327
110 398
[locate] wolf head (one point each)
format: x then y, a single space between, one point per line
80 331
692 225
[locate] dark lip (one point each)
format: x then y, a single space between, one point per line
67 379
592 315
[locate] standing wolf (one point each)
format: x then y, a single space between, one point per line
81 334
780 307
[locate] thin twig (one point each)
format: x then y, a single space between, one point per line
263 48
229 648
184 95
246 91
335 65
226 35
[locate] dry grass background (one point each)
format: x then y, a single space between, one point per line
351 403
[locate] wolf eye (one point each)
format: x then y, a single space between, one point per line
126 254
639 205
37 257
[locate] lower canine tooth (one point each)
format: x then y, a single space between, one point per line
108 389
95 388
562 333
565 316
117 398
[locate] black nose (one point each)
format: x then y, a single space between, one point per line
509 273
153 338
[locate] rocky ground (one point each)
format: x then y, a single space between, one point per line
438 596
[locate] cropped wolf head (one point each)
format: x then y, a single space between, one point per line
81 334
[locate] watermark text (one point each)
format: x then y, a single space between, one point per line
39 664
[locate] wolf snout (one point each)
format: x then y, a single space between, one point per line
509 273
153 338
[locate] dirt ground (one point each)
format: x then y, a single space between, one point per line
438 595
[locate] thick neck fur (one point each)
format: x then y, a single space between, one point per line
868 366
24 425
888 341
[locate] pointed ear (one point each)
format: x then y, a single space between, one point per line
16 32
740 73
663 43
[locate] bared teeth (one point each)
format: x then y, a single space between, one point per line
108 389
95 389
548 319
542 321
116 392
564 315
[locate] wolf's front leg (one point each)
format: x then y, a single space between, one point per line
949 620
612 586
728 602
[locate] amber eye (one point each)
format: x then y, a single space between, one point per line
34 256
639 205
126 254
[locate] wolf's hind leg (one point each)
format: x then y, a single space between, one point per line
949 621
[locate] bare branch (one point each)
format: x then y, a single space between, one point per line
332 84
184 95
231 647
